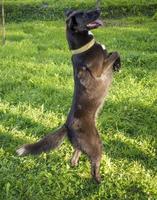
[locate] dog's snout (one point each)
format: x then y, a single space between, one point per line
98 11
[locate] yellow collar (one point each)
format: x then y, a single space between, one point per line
84 48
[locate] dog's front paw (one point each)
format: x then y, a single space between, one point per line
117 64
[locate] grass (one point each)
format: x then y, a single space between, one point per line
36 87
74 2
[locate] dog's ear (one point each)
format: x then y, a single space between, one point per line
69 22
67 12
70 18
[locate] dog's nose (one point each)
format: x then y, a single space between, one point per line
97 11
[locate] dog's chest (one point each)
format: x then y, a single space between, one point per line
95 86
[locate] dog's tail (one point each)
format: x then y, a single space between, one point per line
49 142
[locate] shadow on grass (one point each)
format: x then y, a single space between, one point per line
138 124
50 97
116 149
18 122
15 38
131 118
83 191
10 140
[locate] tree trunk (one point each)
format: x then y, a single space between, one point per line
3 24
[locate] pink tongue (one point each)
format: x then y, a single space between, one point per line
98 21
95 23
92 25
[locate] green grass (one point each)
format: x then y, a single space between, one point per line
74 2
36 86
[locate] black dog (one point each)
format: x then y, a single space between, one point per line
93 68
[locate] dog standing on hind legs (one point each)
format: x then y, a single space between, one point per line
93 67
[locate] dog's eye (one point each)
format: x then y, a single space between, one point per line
85 15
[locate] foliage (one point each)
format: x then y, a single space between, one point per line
19 10
36 87
155 17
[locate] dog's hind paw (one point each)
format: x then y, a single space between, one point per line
21 151
97 179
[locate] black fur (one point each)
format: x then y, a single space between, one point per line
93 71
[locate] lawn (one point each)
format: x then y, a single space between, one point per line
36 87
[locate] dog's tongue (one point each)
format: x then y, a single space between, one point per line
96 23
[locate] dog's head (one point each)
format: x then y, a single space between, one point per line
79 21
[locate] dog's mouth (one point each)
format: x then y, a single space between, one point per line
95 24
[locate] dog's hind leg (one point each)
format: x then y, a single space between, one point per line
75 157
95 167
94 153
93 148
